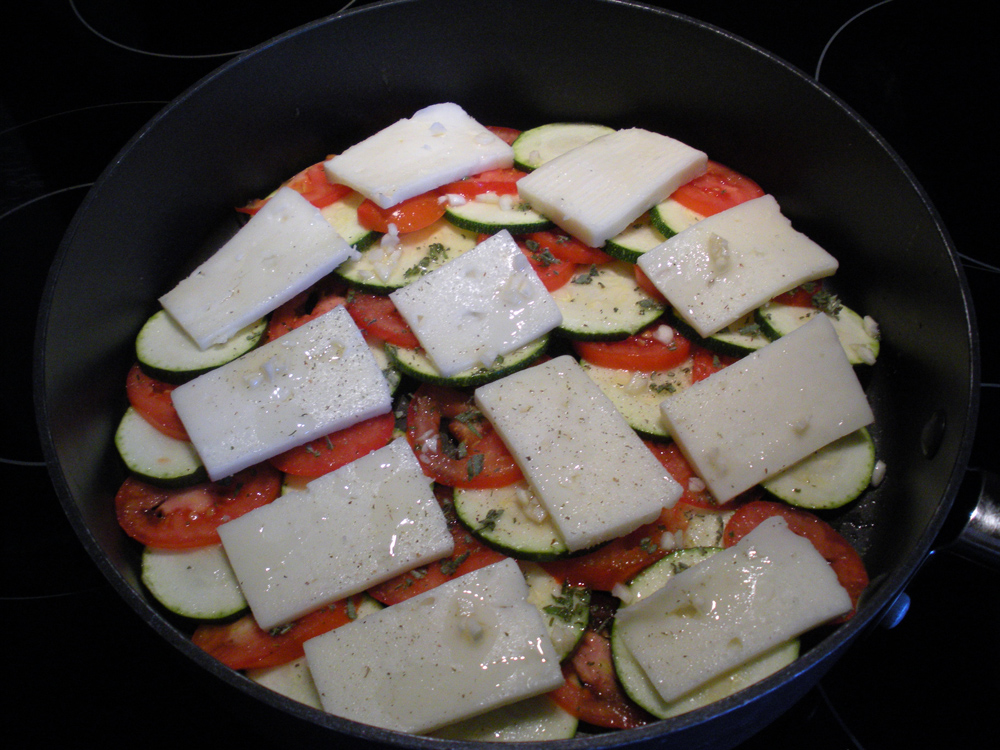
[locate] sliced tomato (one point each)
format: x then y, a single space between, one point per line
441 420
507 135
568 248
377 316
314 185
592 692
328 453
707 362
643 282
835 549
242 644
499 181
469 554
553 272
189 518
151 398
642 352
680 469
801 296
716 190
418 212
305 306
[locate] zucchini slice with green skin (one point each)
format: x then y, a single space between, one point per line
154 457
738 339
529 720
534 147
638 238
196 583
167 353
511 520
342 215
384 267
829 478
634 680
637 395
605 303
486 216
859 336
670 217
565 609
416 364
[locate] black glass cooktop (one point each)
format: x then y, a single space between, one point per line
81 77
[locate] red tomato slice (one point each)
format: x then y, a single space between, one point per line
592 692
643 282
327 453
678 467
553 272
843 558
410 215
716 190
242 644
706 362
305 306
378 317
438 414
499 181
189 518
151 398
469 554
569 249
314 185
642 352
507 135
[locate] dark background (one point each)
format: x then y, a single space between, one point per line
80 78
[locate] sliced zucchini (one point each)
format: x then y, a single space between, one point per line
155 457
638 238
292 679
343 216
392 374
565 609
705 527
831 477
533 719
634 680
737 339
604 303
637 395
511 520
484 215
416 364
859 336
670 217
167 353
387 266
534 147
197 583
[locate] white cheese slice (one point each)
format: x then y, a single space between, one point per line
317 379
591 472
727 265
735 605
769 410
285 248
470 645
437 145
596 190
343 532
479 306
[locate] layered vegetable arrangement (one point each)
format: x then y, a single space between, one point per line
483 433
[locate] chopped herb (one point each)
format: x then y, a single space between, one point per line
312 451
827 302
352 611
435 252
475 465
570 605
586 278
490 522
648 304
452 564
667 387
649 546
750 329
279 630
469 418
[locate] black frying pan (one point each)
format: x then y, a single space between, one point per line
315 90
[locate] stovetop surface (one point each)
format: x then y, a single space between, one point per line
81 77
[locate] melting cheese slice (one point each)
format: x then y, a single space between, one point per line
478 307
438 144
342 533
593 475
727 265
596 190
317 379
735 605
470 645
285 248
769 410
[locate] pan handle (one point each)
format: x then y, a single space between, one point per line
979 539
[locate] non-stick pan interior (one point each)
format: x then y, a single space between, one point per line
236 134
